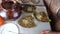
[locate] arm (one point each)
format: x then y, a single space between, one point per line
53 6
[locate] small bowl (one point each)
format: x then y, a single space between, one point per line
29 8
35 1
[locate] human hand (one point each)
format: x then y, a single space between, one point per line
49 32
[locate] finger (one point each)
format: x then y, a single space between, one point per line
42 33
45 32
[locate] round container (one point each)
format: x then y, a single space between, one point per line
35 1
9 28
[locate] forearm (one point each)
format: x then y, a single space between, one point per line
54 5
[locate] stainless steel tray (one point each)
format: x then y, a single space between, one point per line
35 30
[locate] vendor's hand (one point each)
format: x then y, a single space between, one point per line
49 32
44 32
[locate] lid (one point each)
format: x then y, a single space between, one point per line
9 28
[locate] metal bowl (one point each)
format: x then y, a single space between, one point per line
35 1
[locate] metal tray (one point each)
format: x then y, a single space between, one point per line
35 30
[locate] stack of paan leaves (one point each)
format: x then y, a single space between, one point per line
27 22
42 16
